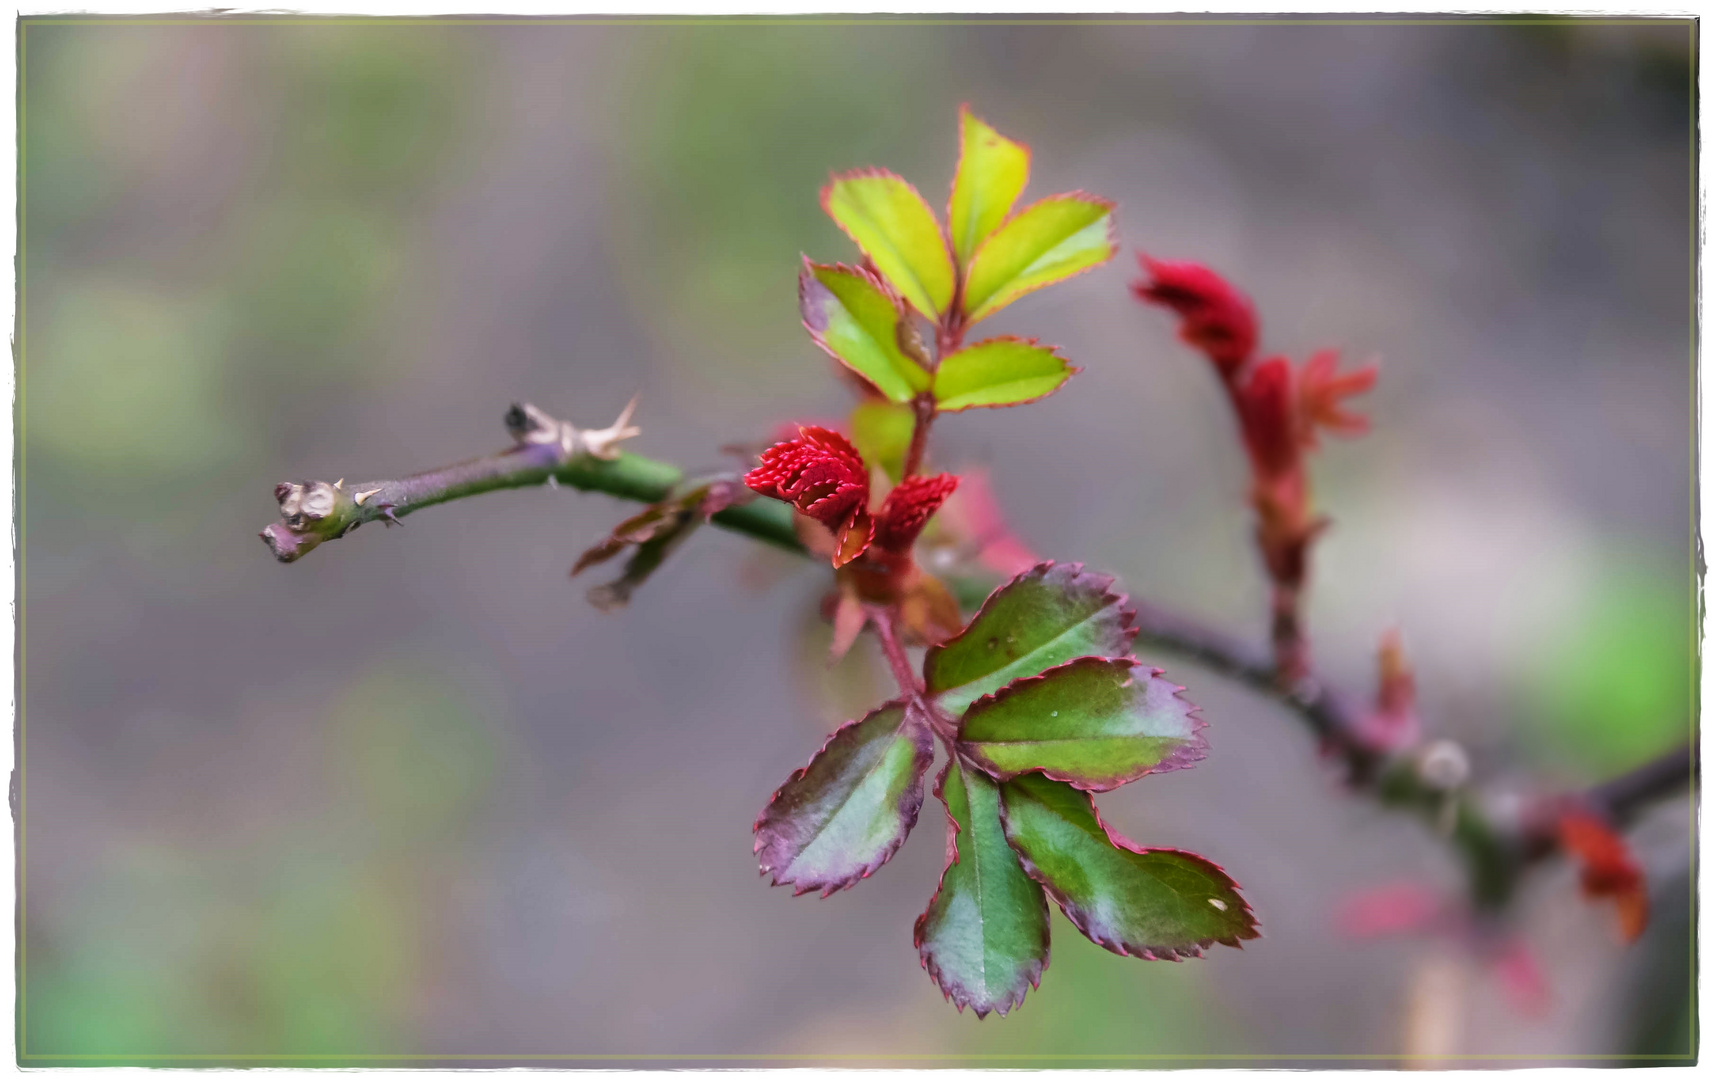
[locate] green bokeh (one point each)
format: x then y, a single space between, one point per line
1612 687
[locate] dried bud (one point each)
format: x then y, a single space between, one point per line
1443 765
318 500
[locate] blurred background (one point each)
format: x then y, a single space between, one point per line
415 796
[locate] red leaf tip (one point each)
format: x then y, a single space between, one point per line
1215 317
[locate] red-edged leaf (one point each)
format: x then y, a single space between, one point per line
839 818
1044 243
992 172
997 373
1047 615
1155 903
1095 723
895 228
984 936
852 317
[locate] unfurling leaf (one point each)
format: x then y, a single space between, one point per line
1609 868
655 533
1047 242
896 229
984 937
996 372
1217 318
850 315
1156 903
1042 618
1095 723
992 172
908 507
881 431
839 818
823 475
1322 390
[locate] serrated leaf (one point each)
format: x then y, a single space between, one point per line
1047 242
852 318
984 936
839 818
896 229
1047 615
1095 723
1156 903
992 172
881 432
999 371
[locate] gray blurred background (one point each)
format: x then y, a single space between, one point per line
414 796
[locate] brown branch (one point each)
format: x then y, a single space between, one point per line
1430 779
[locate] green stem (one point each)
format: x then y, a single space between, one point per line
314 512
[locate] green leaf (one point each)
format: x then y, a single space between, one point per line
999 371
1094 723
1056 238
852 318
1045 616
897 230
844 814
992 172
881 432
984 937
1156 903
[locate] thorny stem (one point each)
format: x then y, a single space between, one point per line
1496 852
312 512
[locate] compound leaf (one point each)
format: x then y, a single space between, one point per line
1095 723
1047 615
850 315
896 229
1047 242
1156 903
992 172
984 937
997 372
839 818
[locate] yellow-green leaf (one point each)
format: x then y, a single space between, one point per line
1056 238
996 372
881 432
897 230
850 315
992 172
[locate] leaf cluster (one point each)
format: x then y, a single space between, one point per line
1039 703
